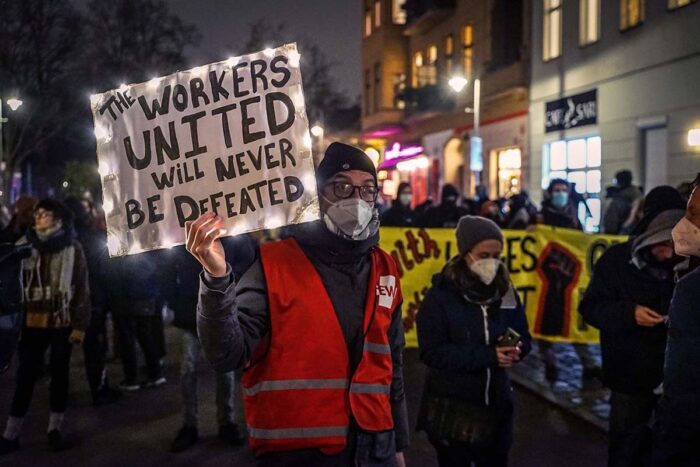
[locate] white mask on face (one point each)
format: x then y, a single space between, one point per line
405 198
349 216
686 238
486 269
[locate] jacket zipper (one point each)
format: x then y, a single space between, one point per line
487 339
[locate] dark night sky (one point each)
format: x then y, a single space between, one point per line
334 25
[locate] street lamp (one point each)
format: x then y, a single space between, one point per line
317 130
458 83
13 103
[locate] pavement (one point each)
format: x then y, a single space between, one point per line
138 429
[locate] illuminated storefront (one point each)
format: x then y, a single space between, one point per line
405 164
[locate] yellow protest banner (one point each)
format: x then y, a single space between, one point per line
550 267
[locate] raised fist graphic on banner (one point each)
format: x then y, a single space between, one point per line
559 270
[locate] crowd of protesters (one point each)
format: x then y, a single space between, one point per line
252 313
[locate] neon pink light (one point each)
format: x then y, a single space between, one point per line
397 151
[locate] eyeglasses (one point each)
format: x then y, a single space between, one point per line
345 190
41 214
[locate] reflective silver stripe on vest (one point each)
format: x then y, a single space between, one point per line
384 349
290 433
370 388
286 384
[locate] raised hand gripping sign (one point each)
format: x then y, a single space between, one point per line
231 137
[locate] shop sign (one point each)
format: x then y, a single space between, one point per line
476 158
572 111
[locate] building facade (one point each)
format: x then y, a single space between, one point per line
614 85
422 128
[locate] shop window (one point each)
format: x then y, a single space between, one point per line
673 4
631 13
377 14
509 171
397 12
552 29
578 161
589 21
449 54
468 51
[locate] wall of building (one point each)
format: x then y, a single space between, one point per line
644 77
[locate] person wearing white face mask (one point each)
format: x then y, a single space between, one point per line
400 214
467 410
316 323
677 431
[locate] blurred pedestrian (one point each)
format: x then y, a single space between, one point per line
628 299
521 212
448 212
677 429
336 398
57 313
182 295
133 293
467 407
22 219
623 201
94 243
492 211
400 214
558 210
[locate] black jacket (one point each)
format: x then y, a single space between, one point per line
452 343
633 356
181 284
11 316
566 218
398 216
680 404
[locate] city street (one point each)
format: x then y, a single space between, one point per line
138 430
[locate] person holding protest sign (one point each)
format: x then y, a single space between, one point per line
628 300
57 313
316 322
471 328
677 429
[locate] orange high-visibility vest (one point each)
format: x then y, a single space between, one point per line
300 394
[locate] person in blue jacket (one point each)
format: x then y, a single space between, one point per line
677 431
467 410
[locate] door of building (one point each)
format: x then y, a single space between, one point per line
655 157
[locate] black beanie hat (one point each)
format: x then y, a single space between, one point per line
342 157
59 210
660 199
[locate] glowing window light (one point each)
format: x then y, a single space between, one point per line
694 137
413 164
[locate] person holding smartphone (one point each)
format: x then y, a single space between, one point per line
467 410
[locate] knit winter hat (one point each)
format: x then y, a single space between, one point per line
472 230
340 157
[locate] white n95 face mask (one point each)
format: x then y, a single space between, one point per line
486 269
686 238
350 217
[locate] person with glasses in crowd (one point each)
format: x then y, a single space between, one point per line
57 313
316 323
